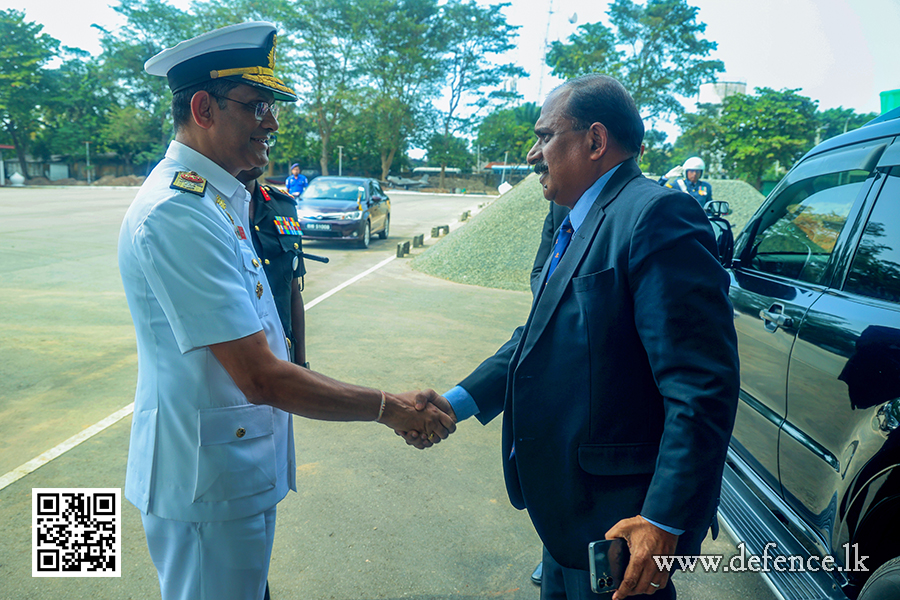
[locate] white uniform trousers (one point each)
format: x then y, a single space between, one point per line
211 560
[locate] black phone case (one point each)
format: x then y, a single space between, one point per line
608 561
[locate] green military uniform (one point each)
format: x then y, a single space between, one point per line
276 238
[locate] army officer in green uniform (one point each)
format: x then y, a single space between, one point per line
276 237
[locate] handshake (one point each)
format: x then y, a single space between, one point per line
422 418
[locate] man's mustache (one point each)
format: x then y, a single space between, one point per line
541 168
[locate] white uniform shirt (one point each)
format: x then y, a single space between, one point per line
199 450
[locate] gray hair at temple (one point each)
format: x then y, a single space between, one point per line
596 98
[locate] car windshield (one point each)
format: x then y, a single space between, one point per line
334 190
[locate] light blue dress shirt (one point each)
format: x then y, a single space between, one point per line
462 402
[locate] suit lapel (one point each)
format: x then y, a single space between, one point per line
547 300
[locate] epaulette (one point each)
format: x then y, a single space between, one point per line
277 192
188 181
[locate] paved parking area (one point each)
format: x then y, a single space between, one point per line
372 518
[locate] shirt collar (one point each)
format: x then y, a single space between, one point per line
579 212
217 177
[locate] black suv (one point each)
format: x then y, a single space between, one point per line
814 464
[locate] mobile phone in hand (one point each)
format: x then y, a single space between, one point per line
608 560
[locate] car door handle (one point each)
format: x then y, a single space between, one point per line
777 318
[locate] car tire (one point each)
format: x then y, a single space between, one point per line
366 235
884 582
383 234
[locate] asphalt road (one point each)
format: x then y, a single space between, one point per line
372 518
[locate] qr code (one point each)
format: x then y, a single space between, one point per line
75 532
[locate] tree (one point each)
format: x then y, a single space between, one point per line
835 121
24 53
656 51
755 132
448 150
657 158
130 131
152 26
74 108
508 130
473 37
701 136
401 54
329 53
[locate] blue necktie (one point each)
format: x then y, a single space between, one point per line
562 242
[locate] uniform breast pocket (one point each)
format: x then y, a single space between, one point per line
290 257
255 279
236 455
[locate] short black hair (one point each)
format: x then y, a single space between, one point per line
596 98
181 101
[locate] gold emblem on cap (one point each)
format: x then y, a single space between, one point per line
272 51
259 289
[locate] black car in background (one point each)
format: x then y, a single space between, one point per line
814 463
344 208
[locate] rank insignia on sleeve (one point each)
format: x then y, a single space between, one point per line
188 181
287 225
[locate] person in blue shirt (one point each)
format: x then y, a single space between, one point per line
690 183
296 182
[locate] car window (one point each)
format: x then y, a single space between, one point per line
333 190
800 227
875 270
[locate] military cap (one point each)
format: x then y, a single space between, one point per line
244 53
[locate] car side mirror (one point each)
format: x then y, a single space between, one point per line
717 208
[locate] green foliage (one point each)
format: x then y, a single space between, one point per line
129 131
402 58
835 121
23 79
297 140
508 130
327 60
702 136
657 158
751 133
655 50
74 108
449 151
473 37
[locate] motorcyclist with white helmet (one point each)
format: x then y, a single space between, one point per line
687 179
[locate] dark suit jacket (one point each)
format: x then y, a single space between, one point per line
620 390
555 216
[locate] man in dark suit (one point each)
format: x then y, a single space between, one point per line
619 393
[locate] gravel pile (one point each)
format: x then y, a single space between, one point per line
742 197
496 248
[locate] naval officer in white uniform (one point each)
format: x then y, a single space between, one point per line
211 450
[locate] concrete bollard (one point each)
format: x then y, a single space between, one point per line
465 216
418 241
402 249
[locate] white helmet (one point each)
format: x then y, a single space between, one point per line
694 163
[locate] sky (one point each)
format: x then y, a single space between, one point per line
839 52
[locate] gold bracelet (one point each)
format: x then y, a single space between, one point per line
380 410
